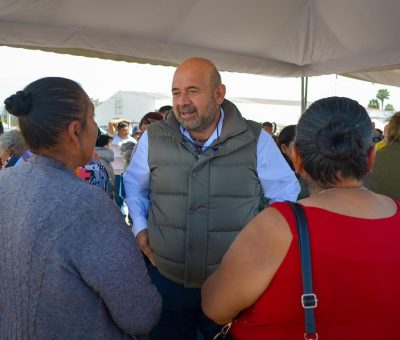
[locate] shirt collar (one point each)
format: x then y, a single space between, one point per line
215 134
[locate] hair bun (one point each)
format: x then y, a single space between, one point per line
336 141
19 104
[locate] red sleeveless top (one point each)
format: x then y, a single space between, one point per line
356 277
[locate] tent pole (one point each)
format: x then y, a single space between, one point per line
304 93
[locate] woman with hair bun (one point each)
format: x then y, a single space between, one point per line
285 142
70 269
385 176
354 236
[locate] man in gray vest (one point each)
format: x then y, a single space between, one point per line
194 182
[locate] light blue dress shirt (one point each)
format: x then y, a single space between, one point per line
277 179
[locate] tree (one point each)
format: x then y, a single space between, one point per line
9 119
95 101
389 107
3 114
382 95
373 104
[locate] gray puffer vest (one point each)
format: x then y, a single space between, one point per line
200 202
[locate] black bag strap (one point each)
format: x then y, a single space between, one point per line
308 299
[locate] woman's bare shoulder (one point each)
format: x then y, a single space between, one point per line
268 236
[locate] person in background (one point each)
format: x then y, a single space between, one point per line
149 118
12 146
106 157
163 110
70 269
268 128
377 135
193 183
385 176
113 125
94 173
128 149
137 135
122 135
354 236
285 142
383 142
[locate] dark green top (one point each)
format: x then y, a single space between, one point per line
385 177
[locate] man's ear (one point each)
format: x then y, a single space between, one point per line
297 162
220 93
371 158
74 133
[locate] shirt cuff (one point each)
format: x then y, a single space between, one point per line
139 224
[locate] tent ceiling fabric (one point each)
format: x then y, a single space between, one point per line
288 38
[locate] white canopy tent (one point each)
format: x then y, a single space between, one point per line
289 38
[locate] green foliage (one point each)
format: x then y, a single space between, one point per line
389 107
8 118
95 101
373 104
3 114
382 95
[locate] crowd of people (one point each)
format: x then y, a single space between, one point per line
196 254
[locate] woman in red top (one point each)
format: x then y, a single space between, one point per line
354 235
